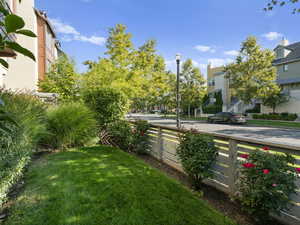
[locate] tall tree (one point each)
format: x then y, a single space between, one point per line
192 87
62 79
273 3
252 76
119 46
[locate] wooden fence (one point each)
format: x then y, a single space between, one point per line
164 141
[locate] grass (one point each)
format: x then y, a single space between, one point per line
105 186
284 124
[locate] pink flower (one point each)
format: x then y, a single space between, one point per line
266 171
266 148
245 156
274 185
248 165
298 170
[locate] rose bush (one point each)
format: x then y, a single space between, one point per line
266 182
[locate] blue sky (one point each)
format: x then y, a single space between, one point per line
203 30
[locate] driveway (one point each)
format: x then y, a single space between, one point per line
273 135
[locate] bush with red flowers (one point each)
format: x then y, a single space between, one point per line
141 142
266 182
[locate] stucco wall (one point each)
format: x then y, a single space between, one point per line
293 106
23 72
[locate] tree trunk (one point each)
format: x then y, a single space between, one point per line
189 110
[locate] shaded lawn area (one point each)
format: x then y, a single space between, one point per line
105 186
283 124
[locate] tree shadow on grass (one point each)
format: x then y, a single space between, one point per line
102 185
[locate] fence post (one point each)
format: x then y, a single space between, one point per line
233 155
160 144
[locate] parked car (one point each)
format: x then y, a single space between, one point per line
227 117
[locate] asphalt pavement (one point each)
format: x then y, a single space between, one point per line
268 134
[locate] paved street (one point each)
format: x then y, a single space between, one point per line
273 135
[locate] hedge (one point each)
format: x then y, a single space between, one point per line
276 116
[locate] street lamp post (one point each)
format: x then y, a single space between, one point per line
178 56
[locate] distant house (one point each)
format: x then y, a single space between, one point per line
24 73
287 63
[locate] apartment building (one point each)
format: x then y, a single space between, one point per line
24 73
217 82
287 63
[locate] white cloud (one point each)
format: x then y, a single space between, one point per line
63 28
204 48
71 34
272 36
231 53
215 62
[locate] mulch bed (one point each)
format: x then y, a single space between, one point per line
214 197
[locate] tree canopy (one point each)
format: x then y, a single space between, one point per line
252 75
273 3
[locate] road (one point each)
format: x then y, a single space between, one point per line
273 135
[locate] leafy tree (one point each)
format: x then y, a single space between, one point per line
11 25
252 76
192 87
62 79
119 46
274 3
273 100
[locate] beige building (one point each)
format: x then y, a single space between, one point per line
24 73
218 82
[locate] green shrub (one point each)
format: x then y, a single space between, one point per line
120 133
212 109
20 137
266 183
108 104
197 153
276 116
141 142
255 109
70 125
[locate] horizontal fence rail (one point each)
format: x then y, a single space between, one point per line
164 142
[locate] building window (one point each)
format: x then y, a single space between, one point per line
285 68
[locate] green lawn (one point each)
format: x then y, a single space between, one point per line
105 186
284 124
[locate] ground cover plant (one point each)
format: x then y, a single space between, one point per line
103 185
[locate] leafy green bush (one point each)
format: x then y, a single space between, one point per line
141 142
197 153
255 109
120 133
128 137
20 137
212 109
108 104
266 182
69 125
276 116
